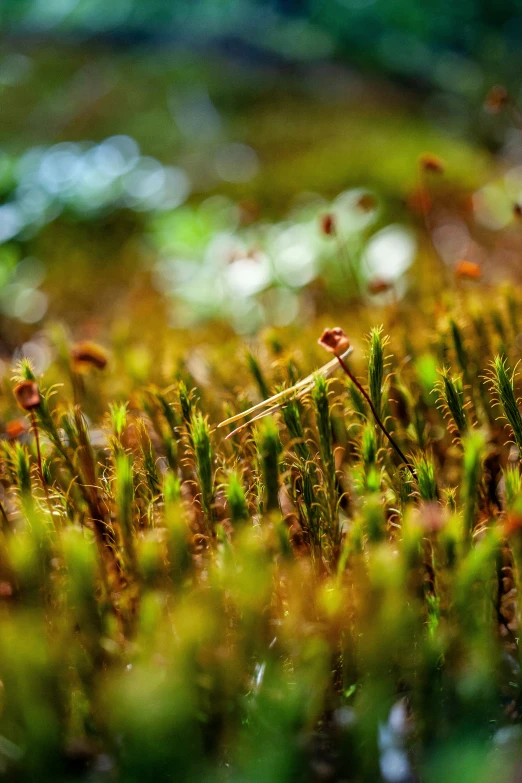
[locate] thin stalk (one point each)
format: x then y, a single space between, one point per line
425 193
375 414
348 262
34 424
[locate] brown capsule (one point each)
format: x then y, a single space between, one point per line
254 254
87 354
431 163
27 395
327 222
366 202
334 341
379 286
517 211
467 270
15 428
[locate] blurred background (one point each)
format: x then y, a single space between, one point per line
171 163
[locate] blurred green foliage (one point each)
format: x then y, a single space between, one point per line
439 42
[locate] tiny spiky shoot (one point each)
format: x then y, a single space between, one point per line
376 367
326 450
118 416
204 459
47 424
369 446
460 349
449 495
22 471
313 516
24 370
268 447
426 481
324 426
117 421
374 517
178 550
257 374
452 402
148 458
405 487
170 414
236 500
124 502
503 385
292 418
86 457
186 404
158 410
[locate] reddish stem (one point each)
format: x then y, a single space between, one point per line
377 418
